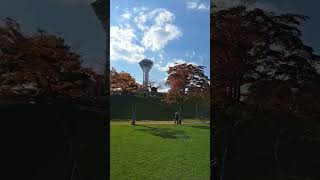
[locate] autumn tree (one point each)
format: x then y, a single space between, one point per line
265 51
251 47
186 81
41 66
122 82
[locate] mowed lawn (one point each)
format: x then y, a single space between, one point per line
160 151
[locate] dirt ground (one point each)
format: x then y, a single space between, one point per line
160 122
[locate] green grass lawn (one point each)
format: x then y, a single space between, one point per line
153 152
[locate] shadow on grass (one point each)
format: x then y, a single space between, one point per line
166 133
200 127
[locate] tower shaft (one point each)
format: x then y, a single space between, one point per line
145 78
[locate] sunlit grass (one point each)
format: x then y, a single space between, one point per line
157 151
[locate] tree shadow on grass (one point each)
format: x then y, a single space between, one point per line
200 127
167 133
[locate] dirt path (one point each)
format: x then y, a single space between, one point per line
159 122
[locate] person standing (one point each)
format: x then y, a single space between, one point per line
179 117
176 117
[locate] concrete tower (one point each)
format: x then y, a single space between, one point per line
146 66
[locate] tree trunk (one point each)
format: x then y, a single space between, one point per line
197 110
133 121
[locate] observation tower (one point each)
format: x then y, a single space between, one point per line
146 66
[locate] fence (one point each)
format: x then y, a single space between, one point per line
151 108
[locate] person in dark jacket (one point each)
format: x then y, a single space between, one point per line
176 117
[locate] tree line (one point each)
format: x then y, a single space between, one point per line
185 82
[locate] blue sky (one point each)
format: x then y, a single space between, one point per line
164 31
75 21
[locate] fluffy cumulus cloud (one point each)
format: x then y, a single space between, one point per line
158 28
163 16
122 46
157 37
126 16
140 21
197 5
142 30
174 62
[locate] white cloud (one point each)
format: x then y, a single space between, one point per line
190 55
203 7
122 46
156 17
140 9
145 29
160 55
141 20
156 38
157 27
192 4
127 25
126 16
164 89
163 17
171 64
196 5
160 67
181 61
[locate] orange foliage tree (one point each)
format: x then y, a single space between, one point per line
41 66
122 82
186 81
